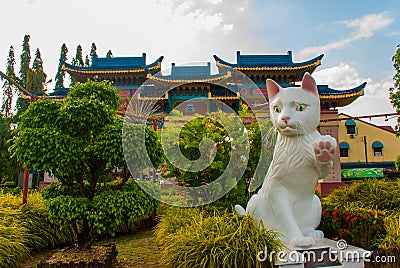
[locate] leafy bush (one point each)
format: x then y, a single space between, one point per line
378 194
359 227
191 239
27 228
10 190
111 211
392 238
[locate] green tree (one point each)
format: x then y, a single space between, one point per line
109 54
36 78
8 88
87 61
78 140
93 50
59 79
25 60
395 90
78 60
190 138
9 169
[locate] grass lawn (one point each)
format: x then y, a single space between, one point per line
134 250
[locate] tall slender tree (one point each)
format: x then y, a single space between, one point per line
25 60
8 88
77 61
59 79
93 50
395 90
36 78
87 61
109 54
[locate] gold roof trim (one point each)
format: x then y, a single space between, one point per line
314 64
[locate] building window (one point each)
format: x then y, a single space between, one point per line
344 149
377 146
351 126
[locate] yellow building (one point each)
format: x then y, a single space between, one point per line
363 146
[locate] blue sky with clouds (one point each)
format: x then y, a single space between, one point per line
357 37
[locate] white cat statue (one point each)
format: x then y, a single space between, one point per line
286 201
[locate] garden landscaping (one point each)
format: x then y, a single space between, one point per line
206 236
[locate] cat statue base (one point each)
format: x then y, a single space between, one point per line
286 201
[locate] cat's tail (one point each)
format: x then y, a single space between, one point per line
240 210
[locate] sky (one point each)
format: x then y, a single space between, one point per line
358 38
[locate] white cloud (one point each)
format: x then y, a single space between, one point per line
365 27
376 94
227 27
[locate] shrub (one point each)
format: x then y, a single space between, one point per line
26 228
113 210
378 194
392 238
359 227
213 241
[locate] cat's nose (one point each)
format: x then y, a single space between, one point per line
285 118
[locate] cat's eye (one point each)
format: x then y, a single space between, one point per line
300 107
277 109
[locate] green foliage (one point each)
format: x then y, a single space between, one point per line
25 60
360 227
59 79
395 90
397 163
190 136
203 240
28 228
376 194
93 50
36 78
392 238
8 87
113 210
109 54
176 112
79 141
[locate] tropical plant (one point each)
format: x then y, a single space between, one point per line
205 240
27 228
79 141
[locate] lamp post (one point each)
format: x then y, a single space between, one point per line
365 150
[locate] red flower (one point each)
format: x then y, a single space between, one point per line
348 218
355 219
373 213
366 217
345 230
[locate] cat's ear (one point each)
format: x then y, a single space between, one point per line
272 88
308 84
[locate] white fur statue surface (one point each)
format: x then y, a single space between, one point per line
286 201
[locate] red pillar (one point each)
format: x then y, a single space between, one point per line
25 189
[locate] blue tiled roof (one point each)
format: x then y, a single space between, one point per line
325 90
59 92
266 60
191 73
117 63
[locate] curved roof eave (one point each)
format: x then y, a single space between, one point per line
295 64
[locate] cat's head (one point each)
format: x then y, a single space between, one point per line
294 111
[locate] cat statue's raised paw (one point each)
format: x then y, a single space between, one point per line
286 201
